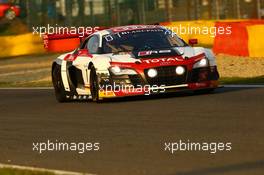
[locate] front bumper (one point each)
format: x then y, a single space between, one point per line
140 84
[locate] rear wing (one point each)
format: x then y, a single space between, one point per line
66 40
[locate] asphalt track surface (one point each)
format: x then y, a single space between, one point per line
132 132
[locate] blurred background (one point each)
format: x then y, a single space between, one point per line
123 12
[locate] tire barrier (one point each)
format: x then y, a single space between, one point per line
245 38
233 44
66 41
256 41
242 41
181 28
60 45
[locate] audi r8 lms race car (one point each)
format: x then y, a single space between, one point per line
133 60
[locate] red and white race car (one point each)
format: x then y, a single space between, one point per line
133 60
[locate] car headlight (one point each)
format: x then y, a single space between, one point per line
202 63
180 70
116 70
152 73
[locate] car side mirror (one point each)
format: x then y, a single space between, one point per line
76 51
192 42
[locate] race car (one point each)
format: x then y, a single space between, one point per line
9 11
130 61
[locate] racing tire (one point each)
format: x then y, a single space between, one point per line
94 85
10 15
60 92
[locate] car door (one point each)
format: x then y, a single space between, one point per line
82 57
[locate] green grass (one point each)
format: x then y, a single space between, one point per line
238 80
9 171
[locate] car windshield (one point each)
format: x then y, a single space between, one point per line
141 40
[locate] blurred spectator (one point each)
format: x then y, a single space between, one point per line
262 13
4 1
51 9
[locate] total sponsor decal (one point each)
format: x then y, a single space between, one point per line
144 63
161 60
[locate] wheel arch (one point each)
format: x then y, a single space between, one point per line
53 66
90 65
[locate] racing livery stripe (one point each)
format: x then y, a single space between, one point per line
157 62
64 75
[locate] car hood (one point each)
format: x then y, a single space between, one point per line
184 53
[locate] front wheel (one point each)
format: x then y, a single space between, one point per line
60 92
